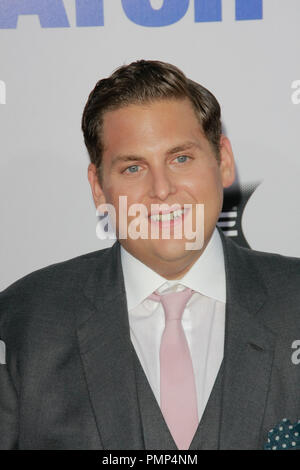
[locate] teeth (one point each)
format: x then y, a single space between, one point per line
165 217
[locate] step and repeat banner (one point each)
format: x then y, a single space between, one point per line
52 52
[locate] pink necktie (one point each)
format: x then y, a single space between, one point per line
178 396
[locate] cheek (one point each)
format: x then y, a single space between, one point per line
135 189
123 198
205 185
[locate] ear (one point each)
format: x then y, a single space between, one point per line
226 162
96 188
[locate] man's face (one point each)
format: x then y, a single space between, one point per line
157 154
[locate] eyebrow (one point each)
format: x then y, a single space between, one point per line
178 148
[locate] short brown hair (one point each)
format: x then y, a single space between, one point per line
145 81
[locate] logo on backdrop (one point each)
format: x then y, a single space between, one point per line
52 13
230 220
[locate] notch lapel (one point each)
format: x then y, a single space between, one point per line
105 348
248 352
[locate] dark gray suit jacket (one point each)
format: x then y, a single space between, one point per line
69 380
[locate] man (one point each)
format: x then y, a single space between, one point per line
150 344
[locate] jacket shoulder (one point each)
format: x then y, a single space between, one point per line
272 267
275 277
53 284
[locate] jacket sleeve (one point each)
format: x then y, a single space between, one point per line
8 411
8 395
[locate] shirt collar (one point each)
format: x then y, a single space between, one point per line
206 276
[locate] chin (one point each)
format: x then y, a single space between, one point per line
170 250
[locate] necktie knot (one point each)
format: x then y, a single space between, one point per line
173 302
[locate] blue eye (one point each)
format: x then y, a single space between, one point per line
184 157
132 166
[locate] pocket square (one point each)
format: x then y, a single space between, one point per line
284 436
2 352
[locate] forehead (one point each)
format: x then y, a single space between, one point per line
151 124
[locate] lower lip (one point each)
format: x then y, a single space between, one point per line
171 222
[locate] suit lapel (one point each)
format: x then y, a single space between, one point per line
248 352
105 348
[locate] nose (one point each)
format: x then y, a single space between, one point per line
162 184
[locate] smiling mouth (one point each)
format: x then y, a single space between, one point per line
167 217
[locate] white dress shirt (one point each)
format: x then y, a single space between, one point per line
203 319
